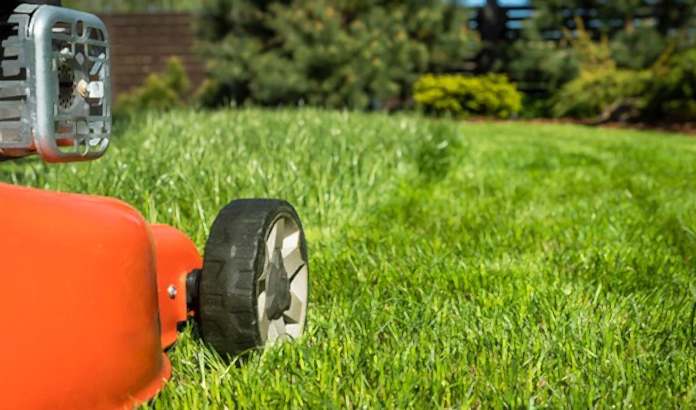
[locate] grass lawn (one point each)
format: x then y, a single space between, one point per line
452 264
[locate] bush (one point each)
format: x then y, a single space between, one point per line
601 91
542 62
161 91
596 91
491 94
672 93
340 54
665 92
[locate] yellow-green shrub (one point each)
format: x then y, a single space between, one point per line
491 94
595 91
161 91
600 86
665 92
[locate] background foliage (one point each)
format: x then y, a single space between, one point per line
556 42
329 53
605 91
590 59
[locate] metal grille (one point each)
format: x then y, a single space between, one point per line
55 92
80 55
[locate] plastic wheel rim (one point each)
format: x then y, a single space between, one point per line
284 239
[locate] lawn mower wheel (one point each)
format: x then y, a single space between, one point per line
253 288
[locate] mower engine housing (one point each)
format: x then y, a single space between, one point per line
55 88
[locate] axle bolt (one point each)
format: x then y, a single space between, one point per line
171 291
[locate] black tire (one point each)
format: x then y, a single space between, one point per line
231 280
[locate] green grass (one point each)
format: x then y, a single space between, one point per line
453 264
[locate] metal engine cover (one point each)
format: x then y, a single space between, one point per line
55 88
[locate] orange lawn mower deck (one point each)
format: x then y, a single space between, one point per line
92 293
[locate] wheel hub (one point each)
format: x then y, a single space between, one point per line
278 287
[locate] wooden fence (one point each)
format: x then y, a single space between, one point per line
506 22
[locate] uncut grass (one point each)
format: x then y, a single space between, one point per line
452 264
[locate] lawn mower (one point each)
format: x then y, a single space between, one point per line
92 294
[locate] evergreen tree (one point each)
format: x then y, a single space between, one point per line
357 54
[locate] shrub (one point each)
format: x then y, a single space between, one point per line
601 91
541 60
341 54
672 93
594 92
491 94
665 92
161 91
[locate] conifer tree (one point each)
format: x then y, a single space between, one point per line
357 54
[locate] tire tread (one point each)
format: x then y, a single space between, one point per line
227 291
